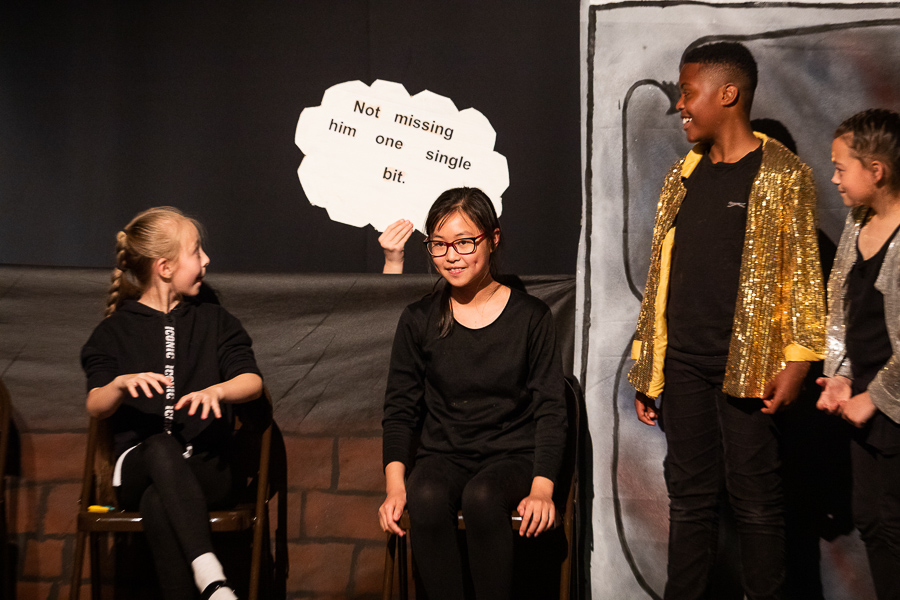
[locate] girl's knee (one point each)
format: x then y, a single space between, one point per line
483 504
162 446
151 506
431 502
428 500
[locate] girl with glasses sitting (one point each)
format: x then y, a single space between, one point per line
474 414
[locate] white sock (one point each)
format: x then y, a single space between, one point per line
208 569
223 594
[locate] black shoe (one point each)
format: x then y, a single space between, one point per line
213 587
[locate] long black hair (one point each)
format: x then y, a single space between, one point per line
478 208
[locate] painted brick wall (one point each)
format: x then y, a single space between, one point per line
336 548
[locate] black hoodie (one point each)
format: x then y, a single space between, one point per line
211 347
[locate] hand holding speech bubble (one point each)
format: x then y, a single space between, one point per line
374 155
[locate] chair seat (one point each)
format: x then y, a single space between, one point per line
239 518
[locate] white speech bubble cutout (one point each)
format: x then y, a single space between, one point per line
374 155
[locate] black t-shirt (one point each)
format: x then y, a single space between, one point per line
868 341
477 393
706 258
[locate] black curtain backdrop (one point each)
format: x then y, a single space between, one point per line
107 108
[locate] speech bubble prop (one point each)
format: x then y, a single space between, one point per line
374 155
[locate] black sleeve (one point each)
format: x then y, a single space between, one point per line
405 390
547 387
235 352
98 358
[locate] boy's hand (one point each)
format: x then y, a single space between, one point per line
645 406
783 389
858 409
835 393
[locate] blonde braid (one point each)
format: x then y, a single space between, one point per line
152 234
114 296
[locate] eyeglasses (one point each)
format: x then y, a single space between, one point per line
462 246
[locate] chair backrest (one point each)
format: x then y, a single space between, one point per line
564 493
5 419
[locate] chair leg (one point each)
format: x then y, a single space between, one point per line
281 545
565 572
6 576
96 580
565 579
281 556
402 571
267 588
387 583
256 556
77 565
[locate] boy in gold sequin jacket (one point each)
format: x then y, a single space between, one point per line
732 314
781 310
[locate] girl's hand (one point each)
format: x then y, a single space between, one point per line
208 398
144 381
103 401
393 241
858 409
835 393
537 509
392 507
391 510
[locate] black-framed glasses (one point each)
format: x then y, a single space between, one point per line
462 246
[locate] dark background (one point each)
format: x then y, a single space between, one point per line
107 108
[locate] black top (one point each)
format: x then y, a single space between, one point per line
868 341
706 258
211 346
477 393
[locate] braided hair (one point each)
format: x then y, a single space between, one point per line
874 134
151 235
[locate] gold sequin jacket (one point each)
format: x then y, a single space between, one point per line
780 311
884 390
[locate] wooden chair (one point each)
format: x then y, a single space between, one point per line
7 573
253 515
396 551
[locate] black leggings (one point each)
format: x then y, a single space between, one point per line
173 495
487 492
876 512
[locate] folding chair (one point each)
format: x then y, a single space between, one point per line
97 489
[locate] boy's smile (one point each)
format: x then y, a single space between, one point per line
699 102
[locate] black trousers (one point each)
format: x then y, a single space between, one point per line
720 446
487 492
173 495
876 513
